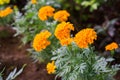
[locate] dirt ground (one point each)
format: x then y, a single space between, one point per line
13 54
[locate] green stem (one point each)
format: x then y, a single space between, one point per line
112 52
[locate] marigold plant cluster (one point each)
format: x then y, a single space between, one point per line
63 29
83 38
73 57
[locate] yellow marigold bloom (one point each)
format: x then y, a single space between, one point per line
7 11
33 1
66 41
1 2
40 41
63 29
51 67
45 12
111 46
61 15
85 37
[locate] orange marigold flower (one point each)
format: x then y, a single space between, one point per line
63 29
111 46
5 12
45 12
85 37
40 41
62 32
33 1
51 67
61 15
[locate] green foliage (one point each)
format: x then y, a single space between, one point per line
13 74
6 21
92 4
1 74
81 4
74 63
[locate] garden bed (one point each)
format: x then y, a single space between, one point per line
100 18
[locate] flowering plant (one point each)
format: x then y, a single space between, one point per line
38 27
74 57
79 61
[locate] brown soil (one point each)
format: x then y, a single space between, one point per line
12 55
